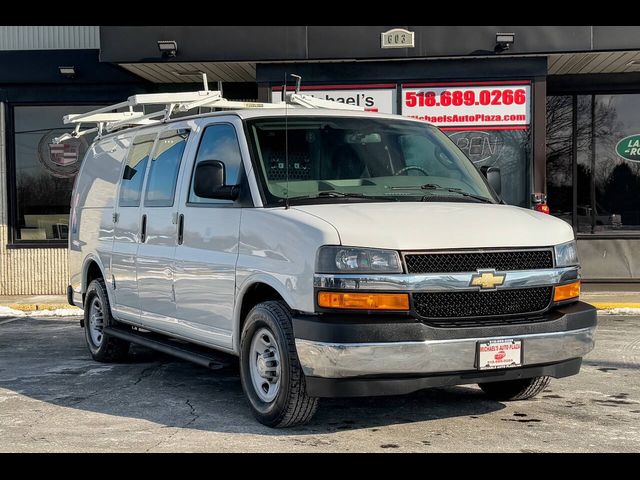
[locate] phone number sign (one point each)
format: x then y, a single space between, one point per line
498 105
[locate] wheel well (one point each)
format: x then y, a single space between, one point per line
93 272
255 294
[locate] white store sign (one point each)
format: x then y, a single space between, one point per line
497 105
380 99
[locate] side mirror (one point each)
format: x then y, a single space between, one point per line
129 172
493 177
208 181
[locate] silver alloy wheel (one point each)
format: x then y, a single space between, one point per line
96 321
264 365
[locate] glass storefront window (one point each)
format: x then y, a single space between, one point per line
45 171
508 150
616 174
605 135
559 156
584 159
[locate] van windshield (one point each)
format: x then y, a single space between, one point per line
345 159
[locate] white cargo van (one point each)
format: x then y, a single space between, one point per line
336 252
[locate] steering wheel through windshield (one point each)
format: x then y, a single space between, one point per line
411 167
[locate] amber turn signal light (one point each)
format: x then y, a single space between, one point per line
364 301
565 292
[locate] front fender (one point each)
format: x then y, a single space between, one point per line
281 285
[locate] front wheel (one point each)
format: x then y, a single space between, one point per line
521 389
271 375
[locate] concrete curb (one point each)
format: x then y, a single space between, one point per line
612 305
31 307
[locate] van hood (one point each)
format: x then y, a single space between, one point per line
434 225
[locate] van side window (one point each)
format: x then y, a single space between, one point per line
219 142
134 170
163 171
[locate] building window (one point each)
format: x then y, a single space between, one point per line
560 156
508 150
616 165
596 139
44 172
584 158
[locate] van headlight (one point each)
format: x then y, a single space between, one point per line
566 254
335 259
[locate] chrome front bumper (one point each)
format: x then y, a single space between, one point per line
344 360
443 282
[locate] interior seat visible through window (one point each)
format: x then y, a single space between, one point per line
347 163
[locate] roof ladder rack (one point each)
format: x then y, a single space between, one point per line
108 119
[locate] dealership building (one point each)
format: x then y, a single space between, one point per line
556 108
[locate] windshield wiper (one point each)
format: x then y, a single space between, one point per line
337 194
426 186
433 186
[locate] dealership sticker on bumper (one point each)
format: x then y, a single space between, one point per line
499 354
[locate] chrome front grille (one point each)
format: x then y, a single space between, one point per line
424 262
457 308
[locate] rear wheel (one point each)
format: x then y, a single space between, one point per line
97 316
271 375
521 389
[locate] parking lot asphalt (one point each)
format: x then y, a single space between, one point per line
55 398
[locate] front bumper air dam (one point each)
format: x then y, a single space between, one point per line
363 358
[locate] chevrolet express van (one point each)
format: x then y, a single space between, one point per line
335 252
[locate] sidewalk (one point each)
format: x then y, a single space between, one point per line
37 306
30 303
602 300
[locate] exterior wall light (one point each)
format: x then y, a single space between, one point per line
168 48
504 41
68 72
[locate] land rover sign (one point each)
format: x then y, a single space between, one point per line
629 148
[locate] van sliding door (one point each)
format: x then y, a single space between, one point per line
127 229
158 242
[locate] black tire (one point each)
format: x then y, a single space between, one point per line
106 348
291 405
522 389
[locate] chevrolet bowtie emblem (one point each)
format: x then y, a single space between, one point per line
486 279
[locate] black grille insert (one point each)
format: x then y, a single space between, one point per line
456 306
472 261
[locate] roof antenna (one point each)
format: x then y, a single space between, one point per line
286 139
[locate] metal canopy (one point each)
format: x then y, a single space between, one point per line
594 62
183 72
